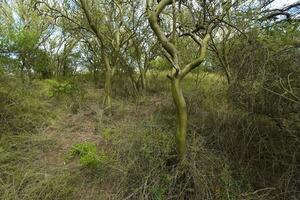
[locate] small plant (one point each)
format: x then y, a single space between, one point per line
107 134
59 89
88 154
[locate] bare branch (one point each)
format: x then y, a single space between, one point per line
153 20
189 67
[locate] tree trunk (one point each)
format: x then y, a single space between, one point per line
145 69
143 79
22 74
95 78
227 73
181 117
108 82
22 68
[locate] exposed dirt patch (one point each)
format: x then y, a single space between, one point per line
67 131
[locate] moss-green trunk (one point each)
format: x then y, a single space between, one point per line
181 117
143 79
108 80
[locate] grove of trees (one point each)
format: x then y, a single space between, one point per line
191 99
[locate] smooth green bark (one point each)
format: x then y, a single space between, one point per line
178 73
182 118
108 83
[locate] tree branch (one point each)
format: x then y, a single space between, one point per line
189 67
153 20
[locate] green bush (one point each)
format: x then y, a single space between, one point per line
70 93
88 155
60 89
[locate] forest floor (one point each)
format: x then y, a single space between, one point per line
37 166
134 149
87 126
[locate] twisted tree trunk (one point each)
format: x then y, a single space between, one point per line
182 118
178 73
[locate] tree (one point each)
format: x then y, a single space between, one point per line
178 73
105 21
22 35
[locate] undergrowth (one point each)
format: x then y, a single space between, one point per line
232 154
22 178
23 108
88 155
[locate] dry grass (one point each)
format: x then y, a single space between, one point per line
137 137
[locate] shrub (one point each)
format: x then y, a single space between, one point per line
60 89
21 106
69 93
88 155
149 168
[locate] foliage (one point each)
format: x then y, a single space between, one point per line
20 41
21 108
71 93
266 86
88 155
265 80
90 77
60 89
